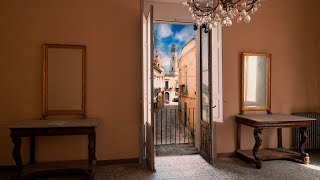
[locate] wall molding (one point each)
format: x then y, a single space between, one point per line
7 168
98 163
225 155
117 161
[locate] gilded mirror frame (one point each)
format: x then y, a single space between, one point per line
268 88
45 110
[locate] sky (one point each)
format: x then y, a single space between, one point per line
167 34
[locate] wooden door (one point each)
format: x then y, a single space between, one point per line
216 74
149 116
205 96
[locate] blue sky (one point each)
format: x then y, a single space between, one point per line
167 34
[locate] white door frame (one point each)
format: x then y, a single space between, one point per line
141 125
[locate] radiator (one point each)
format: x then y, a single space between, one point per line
313 132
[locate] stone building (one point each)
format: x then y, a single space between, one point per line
187 83
166 86
171 85
158 81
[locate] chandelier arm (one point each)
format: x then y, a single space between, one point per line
214 8
204 10
252 5
254 1
234 3
207 10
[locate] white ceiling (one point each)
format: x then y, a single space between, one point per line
167 1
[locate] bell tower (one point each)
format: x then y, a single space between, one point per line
174 61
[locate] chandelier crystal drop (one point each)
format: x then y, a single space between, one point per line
211 13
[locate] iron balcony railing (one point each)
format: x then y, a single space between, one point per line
174 126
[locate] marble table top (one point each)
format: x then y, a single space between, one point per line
269 118
54 123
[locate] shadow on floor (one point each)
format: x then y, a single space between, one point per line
175 150
194 167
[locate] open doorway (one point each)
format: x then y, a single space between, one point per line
166 86
174 77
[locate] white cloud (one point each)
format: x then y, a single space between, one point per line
165 30
161 46
185 34
165 59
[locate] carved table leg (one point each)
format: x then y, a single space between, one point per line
302 145
16 140
238 136
303 142
279 134
32 149
257 137
91 151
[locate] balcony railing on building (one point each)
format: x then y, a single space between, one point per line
174 126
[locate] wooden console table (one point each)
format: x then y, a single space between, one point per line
264 121
33 128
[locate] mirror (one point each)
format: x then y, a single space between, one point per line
63 79
256 82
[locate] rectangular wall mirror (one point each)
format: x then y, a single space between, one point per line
256 82
63 79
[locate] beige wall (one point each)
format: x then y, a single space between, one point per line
289 30
113 72
284 28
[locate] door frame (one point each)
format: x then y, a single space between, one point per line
145 73
141 114
142 151
213 124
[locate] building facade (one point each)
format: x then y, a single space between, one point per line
166 85
158 81
187 83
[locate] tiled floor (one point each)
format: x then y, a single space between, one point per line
193 167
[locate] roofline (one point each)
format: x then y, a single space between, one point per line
188 42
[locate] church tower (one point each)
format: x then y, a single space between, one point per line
174 61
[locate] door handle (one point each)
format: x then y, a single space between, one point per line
214 107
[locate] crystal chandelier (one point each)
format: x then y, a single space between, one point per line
211 13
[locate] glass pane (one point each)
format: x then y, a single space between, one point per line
205 92
256 81
64 78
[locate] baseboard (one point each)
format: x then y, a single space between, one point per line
117 161
225 155
228 155
7 168
98 163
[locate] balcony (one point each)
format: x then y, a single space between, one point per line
174 126
167 88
